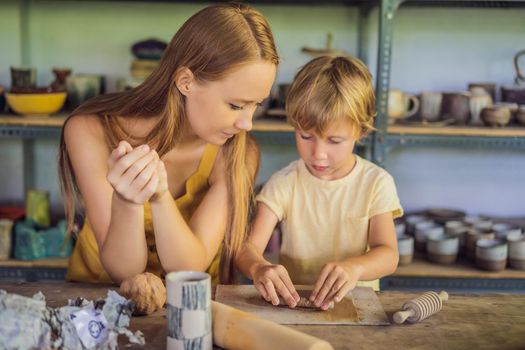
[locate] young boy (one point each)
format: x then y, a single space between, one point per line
336 210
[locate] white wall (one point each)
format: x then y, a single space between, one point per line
434 49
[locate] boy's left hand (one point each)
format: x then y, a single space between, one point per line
333 283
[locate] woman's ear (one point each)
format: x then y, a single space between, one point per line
183 80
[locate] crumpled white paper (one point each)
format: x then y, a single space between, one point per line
27 323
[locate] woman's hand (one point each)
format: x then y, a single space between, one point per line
162 181
273 281
133 172
333 283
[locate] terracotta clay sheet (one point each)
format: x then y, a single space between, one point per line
360 307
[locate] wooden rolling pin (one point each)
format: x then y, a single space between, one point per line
238 330
420 308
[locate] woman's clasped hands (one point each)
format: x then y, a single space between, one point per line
137 174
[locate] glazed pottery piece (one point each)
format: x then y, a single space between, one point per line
442 215
472 237
491 254
411 221
6 227
442 248
514 94
37 207
505 231
483 225
458 229
479 100
61 74
430 106
520 114
401 105
82 87
456 105
189 310
425 229
517 252
35 102
400 228
497 116
149 49
490 88
23 77
405 246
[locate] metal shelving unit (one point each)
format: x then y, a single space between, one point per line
387 138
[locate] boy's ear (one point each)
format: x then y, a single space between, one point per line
183 80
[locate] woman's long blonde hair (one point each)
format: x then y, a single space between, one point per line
212 43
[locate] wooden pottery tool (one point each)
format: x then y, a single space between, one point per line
238 330
421 307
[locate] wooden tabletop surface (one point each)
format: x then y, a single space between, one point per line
473 321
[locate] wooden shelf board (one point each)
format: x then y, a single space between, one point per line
461 269
44 121
511 131
280 125
51 262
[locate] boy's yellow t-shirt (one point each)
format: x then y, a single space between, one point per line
322 220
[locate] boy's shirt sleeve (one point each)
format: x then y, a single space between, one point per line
384 197
276 194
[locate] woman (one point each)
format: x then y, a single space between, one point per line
165 171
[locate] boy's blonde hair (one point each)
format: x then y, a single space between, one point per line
332 89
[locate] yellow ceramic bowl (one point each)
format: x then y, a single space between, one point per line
36 103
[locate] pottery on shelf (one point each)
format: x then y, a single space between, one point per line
424 230
442 248
405 247
61 74
23 77
479 100
497 116
491 254
517 252
149 49
520 114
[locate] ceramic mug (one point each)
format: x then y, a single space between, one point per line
456 105
23 77
520 115
405 247
479 100
430 105
188 299
82 87
401 104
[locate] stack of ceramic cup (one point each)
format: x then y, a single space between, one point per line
490 246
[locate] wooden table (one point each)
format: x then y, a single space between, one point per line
467 321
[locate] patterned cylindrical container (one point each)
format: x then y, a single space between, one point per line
189 311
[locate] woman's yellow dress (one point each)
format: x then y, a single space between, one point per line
84 263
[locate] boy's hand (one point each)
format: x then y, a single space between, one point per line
273 281
333 283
